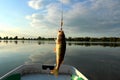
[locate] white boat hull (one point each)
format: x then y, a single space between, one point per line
36 71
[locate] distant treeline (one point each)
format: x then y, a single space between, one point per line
86 39
69 43
23 38
93 39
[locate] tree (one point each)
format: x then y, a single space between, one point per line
69 38
10 38
16 37
23 38
87 38
39 38
5 38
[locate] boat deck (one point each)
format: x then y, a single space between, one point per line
42 72
46 77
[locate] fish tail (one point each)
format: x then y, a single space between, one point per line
54 72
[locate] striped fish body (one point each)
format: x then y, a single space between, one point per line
60 48
60 51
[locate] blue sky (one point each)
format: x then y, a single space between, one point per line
82 18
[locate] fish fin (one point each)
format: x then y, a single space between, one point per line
54 72
55 50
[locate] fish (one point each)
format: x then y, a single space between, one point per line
60 50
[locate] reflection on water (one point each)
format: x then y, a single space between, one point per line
43 58
97 61
87 44
104 44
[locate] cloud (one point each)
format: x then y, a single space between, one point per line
96 17
65 1
12 31
35 4
48 19
36 19
86 17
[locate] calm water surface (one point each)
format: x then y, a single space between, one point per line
96 61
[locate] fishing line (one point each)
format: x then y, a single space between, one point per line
61 15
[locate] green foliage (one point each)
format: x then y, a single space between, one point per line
82 39
75 77
91 39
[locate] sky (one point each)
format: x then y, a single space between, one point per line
82 18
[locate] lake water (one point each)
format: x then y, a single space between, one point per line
97 61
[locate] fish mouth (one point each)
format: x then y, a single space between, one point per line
60 32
